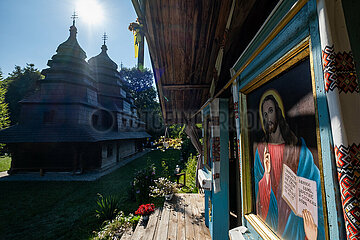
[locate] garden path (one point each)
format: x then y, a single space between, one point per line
69 176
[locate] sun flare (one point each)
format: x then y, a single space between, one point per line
90 11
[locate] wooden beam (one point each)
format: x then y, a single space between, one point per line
137 8
185 86
284 21
142 39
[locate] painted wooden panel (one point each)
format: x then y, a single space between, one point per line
303 24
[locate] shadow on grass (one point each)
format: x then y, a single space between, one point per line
66 210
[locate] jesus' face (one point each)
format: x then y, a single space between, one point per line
269 115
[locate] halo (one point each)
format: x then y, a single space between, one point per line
277 97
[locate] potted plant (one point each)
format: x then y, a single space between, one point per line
145 210
143 179
163 187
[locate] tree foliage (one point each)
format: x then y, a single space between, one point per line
177 131
140 85
137 80
20 83
4 113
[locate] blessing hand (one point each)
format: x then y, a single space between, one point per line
309 225
267 165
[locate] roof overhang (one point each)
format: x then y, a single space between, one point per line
190 45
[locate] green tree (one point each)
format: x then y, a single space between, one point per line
137 80
2 82
140 85
4 113
20 83
177 131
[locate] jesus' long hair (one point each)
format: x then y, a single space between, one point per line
288 136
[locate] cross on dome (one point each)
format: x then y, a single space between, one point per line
105 37
74 16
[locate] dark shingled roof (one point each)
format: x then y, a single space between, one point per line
71 46
103 60
63 133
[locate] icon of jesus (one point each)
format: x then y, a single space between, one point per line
279 146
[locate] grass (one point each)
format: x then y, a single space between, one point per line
5 163
190 171
66 210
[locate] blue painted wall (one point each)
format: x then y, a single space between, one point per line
219 225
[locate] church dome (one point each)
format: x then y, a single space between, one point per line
103 60
71 46
68 64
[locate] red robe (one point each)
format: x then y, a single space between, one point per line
276 157
279 154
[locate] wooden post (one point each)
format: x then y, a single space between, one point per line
219 217
142 39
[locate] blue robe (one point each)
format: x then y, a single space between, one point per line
294 228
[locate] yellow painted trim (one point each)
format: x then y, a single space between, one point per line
290 15
262 229
245 157
295 55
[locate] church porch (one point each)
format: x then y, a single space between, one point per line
181 218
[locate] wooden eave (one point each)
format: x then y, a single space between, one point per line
184 39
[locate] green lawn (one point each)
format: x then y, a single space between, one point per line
66 210
5 163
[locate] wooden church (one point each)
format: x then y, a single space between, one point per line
82 117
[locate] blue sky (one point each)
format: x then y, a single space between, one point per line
31 30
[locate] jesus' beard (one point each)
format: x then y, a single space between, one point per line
271 127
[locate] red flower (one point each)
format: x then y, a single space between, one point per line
145 209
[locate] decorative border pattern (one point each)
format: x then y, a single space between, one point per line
215 121
339 71
239 154
216 149
348 167
215 146
236 110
